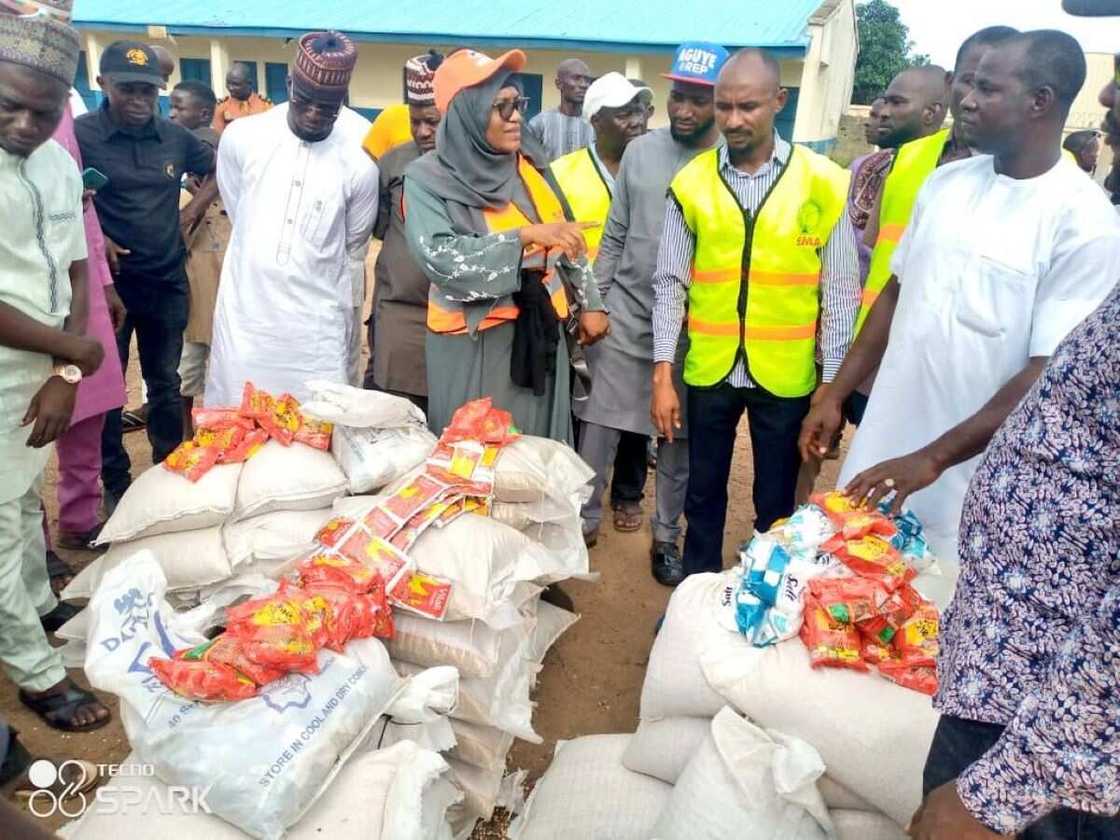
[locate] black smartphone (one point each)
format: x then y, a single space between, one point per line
94 180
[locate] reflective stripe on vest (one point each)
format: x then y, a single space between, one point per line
586 192
913 163
447 316
775 253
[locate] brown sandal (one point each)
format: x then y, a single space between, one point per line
627 517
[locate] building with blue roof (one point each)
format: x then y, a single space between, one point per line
814 39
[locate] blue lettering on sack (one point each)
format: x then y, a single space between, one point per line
313 727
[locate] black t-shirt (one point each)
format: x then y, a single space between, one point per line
139 207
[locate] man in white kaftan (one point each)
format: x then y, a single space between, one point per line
302 198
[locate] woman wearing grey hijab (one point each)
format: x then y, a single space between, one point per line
490 233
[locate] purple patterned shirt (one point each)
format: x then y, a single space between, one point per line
1032 638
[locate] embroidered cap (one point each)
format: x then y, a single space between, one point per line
324 63
419 78
42 44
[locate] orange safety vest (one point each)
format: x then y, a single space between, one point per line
447 316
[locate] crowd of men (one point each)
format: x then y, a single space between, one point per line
952 294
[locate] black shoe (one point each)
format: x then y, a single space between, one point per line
668 568
111 498
58 616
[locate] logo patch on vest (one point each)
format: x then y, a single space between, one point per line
808 222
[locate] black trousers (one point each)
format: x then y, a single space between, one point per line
631 468
713 416
157 314
958 743
854 407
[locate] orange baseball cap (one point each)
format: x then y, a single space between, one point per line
467 67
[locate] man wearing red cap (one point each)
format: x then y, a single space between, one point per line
302 197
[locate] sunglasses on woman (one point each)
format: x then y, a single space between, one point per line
506 107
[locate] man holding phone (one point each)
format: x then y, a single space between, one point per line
144 157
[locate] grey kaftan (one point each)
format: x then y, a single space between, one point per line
622 364
478 270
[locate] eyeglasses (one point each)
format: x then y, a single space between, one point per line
327 109
506 107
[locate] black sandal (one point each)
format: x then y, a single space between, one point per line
58 616
134 420
57 709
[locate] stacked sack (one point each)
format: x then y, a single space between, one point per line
496 630
729 673
208 516
469 599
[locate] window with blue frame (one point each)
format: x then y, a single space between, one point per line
788 116
369 113
276 81
92 98
196 70
532 86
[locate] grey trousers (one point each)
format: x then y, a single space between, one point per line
25 594
598 446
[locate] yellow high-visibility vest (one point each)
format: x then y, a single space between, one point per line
756 279
913 163
586 192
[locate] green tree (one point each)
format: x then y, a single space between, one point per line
885 49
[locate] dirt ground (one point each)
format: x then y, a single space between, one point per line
591 680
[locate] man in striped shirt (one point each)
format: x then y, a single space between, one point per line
563 129
769 316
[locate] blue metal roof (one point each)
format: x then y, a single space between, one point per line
614 25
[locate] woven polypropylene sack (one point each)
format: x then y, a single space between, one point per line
747 782
663 748
189 560
162 502
587 793
296 477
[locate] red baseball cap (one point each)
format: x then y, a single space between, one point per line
464 68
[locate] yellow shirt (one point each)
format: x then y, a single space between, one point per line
391 129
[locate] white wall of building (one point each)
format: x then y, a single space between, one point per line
825 81
828 73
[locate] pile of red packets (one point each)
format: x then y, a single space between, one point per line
343 589
874 616
233 435
266 638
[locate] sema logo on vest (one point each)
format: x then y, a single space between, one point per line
808 222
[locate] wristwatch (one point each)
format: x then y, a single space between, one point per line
70 374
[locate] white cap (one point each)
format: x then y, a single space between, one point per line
612 90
